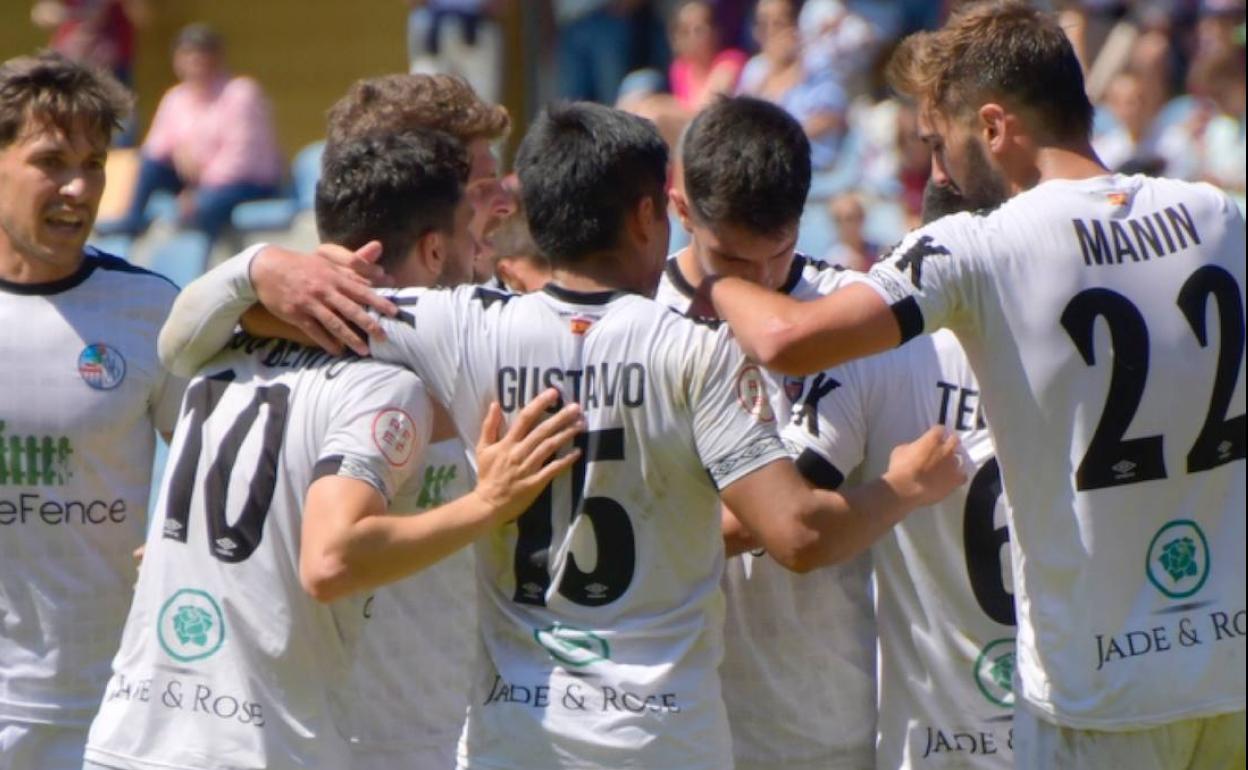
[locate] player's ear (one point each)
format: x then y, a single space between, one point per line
681 202
994 127
431 251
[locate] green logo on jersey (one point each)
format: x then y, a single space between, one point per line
37 461
433 490
190 626
994 672
1178 559
572 646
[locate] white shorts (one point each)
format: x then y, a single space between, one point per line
26 746
1211 743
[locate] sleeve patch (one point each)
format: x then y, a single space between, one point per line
752 394
394 434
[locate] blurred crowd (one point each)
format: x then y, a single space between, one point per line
1167 77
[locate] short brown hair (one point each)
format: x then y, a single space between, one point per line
50 87
512 239
998 50
396 103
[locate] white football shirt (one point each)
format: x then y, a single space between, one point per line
1104 319
799 650
944 600
414 662
225 660
81 396
599 608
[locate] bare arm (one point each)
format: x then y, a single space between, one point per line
804 528
794 337
350 544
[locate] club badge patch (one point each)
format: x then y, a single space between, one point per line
394 433
101 366
752 394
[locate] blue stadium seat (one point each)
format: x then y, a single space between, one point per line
300 195
183 257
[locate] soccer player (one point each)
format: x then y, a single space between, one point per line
81 397
411 676
1103 317
238 648
799 650
943 601
600 613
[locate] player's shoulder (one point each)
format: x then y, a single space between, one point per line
811 276
105 266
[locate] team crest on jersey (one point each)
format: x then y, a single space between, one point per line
190 626
580 324
752 393
1117 198
101 366
1178 559
572 646
994 672
394 434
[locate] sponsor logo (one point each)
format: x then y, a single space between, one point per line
994 672
190 626
100 366
1178 559
572 646
752 393
394 434
37 461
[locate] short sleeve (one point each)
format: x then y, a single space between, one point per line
379 430
734 425
827 434
930 278
427 336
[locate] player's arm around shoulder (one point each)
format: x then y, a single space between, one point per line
804 528
350 545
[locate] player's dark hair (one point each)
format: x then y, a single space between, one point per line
390 188
998 50
49 87
746 162
582 166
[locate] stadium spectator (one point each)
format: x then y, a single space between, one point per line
593 47
212 141
779 74
1132 137
701 68
1097 518
852 250
82 395
99 33
459 37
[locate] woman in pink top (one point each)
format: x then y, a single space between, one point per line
212 141
700 71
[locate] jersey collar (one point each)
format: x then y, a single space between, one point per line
582 297
682 285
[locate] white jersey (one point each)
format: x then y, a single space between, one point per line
599 608
414 661
225 660
1104 320
81 396
944 599
799 650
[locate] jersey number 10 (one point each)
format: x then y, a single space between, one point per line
235 542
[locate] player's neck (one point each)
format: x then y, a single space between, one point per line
597 273
17 267
689 266
1067 162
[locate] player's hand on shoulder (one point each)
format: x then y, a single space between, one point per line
926 470
512 469
325 295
